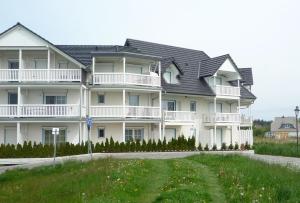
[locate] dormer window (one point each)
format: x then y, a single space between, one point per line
170 75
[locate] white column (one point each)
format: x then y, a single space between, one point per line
80 133
48 65
19 136
80 101
93 69
159 131
20 65
215 127
124 103
215 135
123 131
124 70
89 101
19 101
159 71
159 103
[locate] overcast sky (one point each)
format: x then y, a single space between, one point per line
264 35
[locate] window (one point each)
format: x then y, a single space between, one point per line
101 132
132 68
13 64
171 105
218 81
168 76
56 99
40 63
134 100
193 106
101 99
63 65
134 134
48 137
12 98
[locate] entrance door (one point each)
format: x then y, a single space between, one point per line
10 135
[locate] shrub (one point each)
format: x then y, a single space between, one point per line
200 147
206 148
223 146
242 147
214 148
247 146
230 147
236 146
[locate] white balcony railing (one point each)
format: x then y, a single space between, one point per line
126 111
222 118
49 110
32 75
8 110
222 90
127 78
179 116
246 120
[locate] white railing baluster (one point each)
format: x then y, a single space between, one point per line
222 90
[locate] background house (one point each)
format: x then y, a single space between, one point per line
284 127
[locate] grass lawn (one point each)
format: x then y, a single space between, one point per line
276 147
201 178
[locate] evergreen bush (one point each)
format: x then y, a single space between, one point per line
206 148
223 146
236 146
200 147
214 148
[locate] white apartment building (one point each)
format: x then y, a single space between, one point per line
141 90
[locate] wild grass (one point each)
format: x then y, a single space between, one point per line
276 147
201 178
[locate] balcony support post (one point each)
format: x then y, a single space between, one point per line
123 102
93 70
80 102
215 117
89 101
159 103
124 69
48 65
123 131
20 65
80 133
19 136
159 131
19 102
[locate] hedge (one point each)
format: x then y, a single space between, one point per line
39 150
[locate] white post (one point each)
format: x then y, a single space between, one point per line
80 102
124 103
19 139
19 101
20 65
163 130
48 65
80 133
215 127
124 70
160 103
123 131
93 70
159 130
89 98
159 71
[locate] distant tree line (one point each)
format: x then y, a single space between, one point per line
260 127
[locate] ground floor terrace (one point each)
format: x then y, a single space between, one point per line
121 131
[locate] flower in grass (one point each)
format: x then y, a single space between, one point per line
262 188
242 194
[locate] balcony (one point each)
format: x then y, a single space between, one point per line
227 91
124 111
219 118
40 110
246 120
40 75
126 79
179 116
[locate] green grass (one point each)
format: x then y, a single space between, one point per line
202 178
276 147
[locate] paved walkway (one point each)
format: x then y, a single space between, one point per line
291 162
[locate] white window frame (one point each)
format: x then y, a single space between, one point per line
36 60
138 100
195 103
134 129
63 62
98 96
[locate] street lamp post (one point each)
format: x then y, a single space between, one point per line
55 132
297 113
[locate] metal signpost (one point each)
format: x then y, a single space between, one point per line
89 123
55 132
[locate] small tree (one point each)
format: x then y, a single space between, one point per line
214 148
236 146
159 146
247 146
199 147
164 145
144 146
223 146
206 148
230 147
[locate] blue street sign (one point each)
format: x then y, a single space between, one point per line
89 122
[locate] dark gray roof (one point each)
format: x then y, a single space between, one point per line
188 61
84 53
247 77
